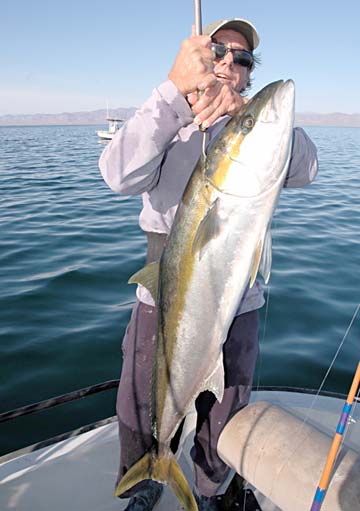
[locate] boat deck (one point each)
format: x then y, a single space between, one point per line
78 473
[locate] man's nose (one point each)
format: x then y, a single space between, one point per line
229 59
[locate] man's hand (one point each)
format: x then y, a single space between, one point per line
193 71
193 66
217 100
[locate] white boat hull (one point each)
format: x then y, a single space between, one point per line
105 135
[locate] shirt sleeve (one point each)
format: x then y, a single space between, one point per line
303 164
130 163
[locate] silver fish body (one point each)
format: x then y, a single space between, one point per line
219 240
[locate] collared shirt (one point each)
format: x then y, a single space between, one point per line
154 154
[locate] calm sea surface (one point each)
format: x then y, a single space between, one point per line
69 244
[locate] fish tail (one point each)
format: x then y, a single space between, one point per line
137 473
180 486
164 469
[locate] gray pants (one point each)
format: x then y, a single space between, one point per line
133 402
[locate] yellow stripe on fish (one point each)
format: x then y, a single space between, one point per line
218 178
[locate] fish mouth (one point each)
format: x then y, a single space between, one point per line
273 100
284 94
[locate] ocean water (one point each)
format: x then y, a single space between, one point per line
69 244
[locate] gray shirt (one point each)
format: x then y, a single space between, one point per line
154 154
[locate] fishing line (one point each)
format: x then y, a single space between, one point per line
338 351
246 485
267 301
318 392
244 502
204 145
332 363
260 195
351 420
263 336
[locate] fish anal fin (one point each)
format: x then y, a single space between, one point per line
148 277
208 229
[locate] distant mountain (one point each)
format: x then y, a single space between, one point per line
99 117
334 119
93 117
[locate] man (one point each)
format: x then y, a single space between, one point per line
154 154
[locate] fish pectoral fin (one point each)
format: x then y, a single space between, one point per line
266 258
148 277
208 229
262 259
216 381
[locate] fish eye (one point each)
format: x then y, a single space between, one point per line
248 123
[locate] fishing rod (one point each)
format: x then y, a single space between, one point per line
325 477
198 19
198 31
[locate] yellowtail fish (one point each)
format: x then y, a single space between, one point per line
219 240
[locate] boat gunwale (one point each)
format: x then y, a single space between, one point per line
110 384
100 387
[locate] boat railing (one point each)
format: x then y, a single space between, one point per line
58 400
111 384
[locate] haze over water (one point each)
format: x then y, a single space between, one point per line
69 245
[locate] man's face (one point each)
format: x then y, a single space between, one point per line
225 70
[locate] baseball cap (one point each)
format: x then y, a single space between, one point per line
244 27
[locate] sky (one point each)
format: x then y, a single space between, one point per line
77 55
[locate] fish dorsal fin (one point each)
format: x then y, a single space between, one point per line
262 259
208 229
216 381
266 259
148 277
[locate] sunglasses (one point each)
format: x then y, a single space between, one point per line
241 57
